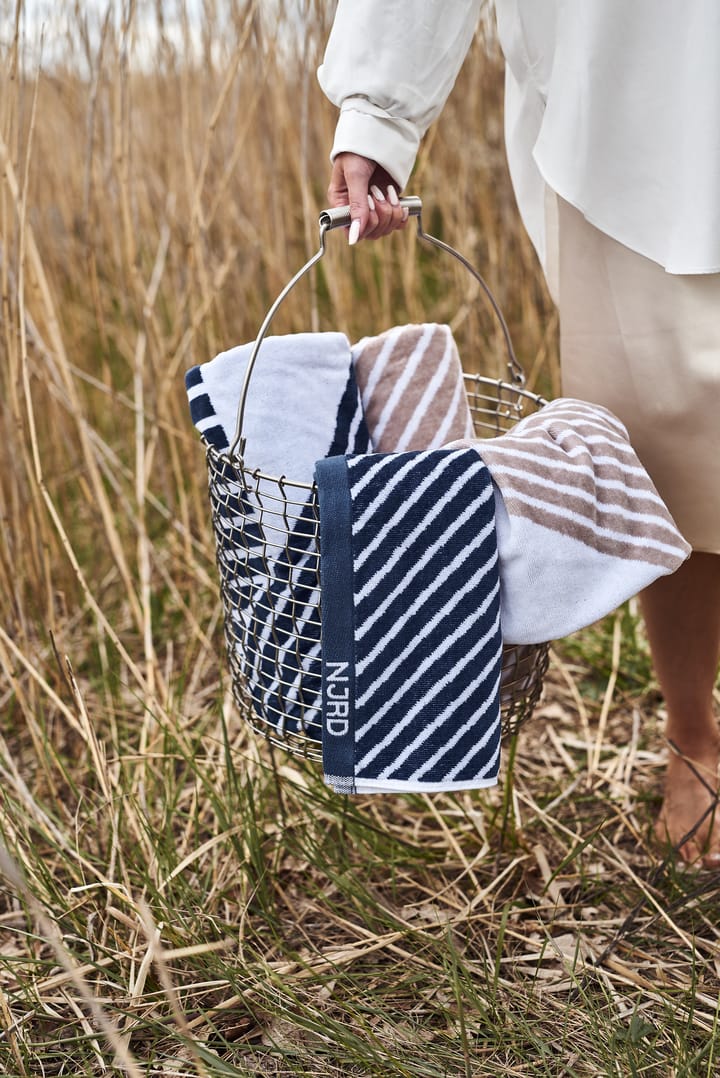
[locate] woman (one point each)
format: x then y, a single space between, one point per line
612 129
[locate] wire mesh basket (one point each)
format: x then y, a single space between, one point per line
267 546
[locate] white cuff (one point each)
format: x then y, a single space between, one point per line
365 129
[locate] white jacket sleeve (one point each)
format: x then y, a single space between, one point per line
390 65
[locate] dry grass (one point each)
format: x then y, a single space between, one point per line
176 899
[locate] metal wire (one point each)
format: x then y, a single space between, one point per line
267 544
339 217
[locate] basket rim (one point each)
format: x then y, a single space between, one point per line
226 457
496 404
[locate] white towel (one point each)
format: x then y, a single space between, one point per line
580 525
302 402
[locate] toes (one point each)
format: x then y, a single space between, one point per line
690 852
711 854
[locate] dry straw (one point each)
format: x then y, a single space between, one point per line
177 900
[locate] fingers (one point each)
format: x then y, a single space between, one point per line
388 211
364 186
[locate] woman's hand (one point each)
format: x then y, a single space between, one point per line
370 192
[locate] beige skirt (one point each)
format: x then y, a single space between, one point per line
646 344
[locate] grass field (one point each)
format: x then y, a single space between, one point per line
176 899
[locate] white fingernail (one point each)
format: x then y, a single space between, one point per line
371 204
392 195
354 233
378 193
405 213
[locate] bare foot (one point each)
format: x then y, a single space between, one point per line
687 799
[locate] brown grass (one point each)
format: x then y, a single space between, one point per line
177 899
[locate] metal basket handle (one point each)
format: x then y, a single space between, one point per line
339 217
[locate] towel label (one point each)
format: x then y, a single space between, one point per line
411 638
337 709
338 650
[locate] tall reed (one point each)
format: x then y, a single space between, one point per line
176 898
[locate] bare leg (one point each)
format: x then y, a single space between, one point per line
682 615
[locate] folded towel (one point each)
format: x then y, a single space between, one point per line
411 644
412 390
580 525
303 404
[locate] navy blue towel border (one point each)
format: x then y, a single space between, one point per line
338 648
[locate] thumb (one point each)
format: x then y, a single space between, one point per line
357 172
359 209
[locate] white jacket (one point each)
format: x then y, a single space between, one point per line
615 104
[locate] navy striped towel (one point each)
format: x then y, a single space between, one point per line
411 641
303 404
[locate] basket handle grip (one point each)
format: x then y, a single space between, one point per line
339 217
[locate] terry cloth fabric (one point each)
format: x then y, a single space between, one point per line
271 607
411 643
411 384
302 404
580 525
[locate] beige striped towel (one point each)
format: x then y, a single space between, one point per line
580 525
411 385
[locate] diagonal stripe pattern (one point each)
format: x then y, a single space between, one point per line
267 558
580 525
422 650
272 623
572 470
411 384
